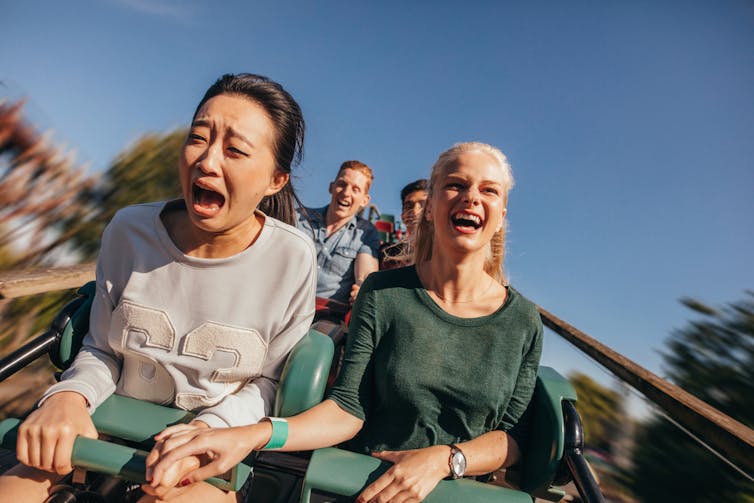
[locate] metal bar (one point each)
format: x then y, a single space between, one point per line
729 437
26 354
573 453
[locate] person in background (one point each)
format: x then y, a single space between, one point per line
413 198
441 359
347 245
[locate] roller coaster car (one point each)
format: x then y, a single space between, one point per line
553 455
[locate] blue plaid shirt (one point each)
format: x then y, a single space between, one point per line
336 254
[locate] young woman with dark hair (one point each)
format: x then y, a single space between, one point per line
200 299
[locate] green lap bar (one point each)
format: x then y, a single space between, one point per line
346 473
114 459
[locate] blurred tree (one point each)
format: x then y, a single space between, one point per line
50 210
600 408
145 172
47 200
713 358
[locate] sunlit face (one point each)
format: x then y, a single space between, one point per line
227 164
413 205
468 203
349 193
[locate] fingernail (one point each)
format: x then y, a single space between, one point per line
185 482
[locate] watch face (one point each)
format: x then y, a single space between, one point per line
459 464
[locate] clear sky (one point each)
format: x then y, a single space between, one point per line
629 125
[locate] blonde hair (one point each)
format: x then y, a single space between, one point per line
423 241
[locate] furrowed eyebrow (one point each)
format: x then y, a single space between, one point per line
200 122
241 137
203 122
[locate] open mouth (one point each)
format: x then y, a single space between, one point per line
206 201
466 222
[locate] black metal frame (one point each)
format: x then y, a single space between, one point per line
573 456
48 342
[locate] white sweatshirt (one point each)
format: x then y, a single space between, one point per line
206 335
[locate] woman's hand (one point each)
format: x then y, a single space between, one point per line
45 438
223 448
173 481
176 473
412 477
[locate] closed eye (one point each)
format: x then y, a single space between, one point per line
238 151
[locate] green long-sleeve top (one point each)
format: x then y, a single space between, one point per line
419 376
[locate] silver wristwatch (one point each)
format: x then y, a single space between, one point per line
456 462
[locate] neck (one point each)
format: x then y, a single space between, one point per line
455 279
334 223
196 242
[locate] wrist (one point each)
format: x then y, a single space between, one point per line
68 397
278 433
457 463
263 431
440 457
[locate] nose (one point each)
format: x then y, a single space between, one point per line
471 195
209 162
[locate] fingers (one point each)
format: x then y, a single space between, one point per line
392 456
168 457
177 472
213 469
377 487
34 445
63 451
168 441
173 430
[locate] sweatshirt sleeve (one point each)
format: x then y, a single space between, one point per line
96 368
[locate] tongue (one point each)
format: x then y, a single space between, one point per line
209 199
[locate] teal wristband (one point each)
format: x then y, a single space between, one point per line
279 433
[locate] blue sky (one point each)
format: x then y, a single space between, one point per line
629 125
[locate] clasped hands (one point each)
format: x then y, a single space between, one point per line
414 473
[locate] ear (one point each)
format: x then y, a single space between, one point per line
365 203
502 219
329 187
277 182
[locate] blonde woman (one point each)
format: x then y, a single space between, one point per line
441 358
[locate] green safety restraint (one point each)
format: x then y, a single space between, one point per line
302 385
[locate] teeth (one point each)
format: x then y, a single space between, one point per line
468 216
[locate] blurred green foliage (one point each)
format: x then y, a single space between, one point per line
600 408
712 358
147 171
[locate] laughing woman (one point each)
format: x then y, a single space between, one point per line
200 299
441 358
